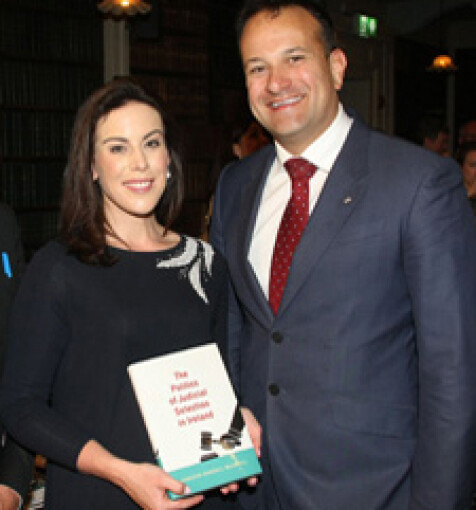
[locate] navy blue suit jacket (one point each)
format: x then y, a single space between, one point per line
365 381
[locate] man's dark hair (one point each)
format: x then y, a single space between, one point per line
430 127
314 7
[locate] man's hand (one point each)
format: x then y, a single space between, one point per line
254 428
9 499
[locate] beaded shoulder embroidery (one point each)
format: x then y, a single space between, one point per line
194 262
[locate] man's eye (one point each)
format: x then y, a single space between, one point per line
296 58
256 70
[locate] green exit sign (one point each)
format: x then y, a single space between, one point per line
365 26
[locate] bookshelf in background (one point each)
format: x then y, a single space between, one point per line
50 60
173 54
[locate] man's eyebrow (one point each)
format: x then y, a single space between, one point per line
287 51
296 48
253 60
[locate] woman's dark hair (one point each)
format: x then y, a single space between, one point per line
314 7
463 150
83 225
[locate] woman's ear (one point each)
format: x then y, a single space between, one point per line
236 149
94 173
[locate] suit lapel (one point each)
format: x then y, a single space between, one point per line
342 192
247 284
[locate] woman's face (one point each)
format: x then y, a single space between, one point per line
469 172
130 161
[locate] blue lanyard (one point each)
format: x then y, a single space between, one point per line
6 264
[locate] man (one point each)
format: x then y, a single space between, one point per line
467 132
361 373
15 463
434 135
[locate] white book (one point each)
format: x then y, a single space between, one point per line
192 417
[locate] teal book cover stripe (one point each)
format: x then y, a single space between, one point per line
217 472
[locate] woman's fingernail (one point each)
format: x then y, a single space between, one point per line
187 490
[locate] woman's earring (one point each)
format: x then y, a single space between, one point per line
169 174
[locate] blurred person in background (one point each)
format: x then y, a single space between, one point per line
466 157
433 134
467 132
247 137
16 464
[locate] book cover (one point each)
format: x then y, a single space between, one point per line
192 417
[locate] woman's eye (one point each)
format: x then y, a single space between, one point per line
116 149
153 143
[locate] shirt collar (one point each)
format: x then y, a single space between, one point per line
324 150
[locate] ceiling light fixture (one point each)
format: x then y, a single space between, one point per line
120 7
442 63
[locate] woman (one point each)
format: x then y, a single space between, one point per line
467 159
99 300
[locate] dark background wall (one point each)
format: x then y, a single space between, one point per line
51 58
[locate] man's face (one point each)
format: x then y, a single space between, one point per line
468 132
291 81
439 144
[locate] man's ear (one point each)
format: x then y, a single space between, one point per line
338 65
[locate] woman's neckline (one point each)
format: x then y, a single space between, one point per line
179 243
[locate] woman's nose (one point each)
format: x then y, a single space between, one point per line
139 159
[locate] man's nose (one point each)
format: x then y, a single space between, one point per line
278 80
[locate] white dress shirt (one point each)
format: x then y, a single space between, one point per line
277 191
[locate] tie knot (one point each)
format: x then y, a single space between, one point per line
300 169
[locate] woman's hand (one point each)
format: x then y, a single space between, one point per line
145 483
9 499
254 428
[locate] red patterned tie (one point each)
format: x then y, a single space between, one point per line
291 227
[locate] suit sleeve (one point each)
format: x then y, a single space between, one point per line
235 318
439 242
16 463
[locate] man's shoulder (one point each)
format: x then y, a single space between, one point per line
392 151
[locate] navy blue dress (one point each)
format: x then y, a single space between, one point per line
75 328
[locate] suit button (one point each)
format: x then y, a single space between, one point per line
273 389
277 337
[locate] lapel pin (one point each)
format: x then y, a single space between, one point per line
347 200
